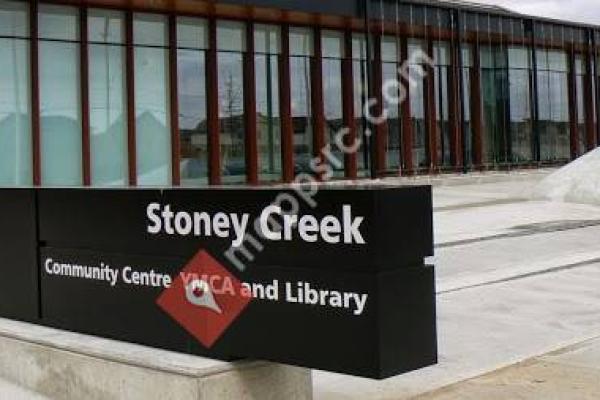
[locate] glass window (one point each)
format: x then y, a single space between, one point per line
192 33
390 65
60 117
521 133
191 75
494 81
14 18
417 107
231 36
150 30
267 40
580 78
58 22
152 110
15 113
231 42
108 101
361 90
441 51
301 42
301 49
333 46
553 105
106 26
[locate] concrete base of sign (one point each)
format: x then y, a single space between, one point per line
64 365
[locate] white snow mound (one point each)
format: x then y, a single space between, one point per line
577 182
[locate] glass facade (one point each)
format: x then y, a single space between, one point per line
108 98
192 43
580 75
146 91
60 115
15 101
519 97
360 86
267 47
417 105
301 52
553 104
390 64
333 53
231 45
441 56
465 83
152 107
494 88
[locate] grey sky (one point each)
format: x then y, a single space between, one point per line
587 11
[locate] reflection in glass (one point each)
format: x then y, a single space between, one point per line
267 48
553 105
14 18
390 65
466 106
580 77
417 105
300 54
152 110
442 77
361 90
60 119
231 116
107 96
494 87
192 41
15 126
108 121
231 43
521 128
192 117
332 95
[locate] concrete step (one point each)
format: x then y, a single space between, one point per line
53 364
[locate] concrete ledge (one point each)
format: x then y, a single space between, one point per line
70 366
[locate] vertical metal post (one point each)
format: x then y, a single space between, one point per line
35 92
130 83
174 103
461 79
250 107
371 141
534 95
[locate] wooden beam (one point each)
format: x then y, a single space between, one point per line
431 112
381 131
35 93
408 167
573 111
130 83
287 129
589 100
85 98
250 108
317 102
454 106
476 107
214 142
174 103
350 158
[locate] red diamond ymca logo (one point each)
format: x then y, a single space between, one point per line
205 298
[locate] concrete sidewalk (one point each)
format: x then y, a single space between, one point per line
516 278
570 373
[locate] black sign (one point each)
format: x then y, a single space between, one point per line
234 274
